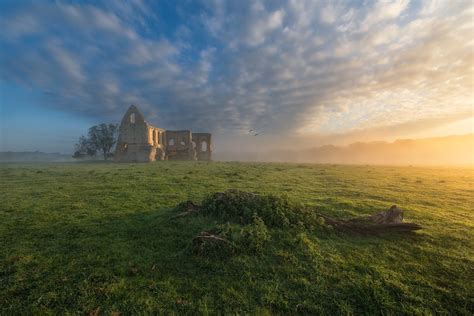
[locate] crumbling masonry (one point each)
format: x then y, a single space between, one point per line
138 141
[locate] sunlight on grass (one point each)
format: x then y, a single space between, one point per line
76 237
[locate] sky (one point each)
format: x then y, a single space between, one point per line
299 73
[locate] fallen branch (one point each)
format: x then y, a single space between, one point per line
208 236
212 245
189 207
390 221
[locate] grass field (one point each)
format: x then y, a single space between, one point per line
99 238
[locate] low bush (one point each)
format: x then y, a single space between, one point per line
254 236
275 211
214 244
228 239
247 221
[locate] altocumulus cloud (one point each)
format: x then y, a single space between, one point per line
305 67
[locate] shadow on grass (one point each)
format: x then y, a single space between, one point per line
142 262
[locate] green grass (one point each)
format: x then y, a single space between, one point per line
78 237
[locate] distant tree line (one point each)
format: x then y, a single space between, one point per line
100 140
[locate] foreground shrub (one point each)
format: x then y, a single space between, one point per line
248 217
241 207
254 236
213 244
229 239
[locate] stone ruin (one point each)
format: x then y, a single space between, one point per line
139 141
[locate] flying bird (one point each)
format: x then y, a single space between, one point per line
254 132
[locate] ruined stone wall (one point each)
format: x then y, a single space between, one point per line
203 146
179 145
156 137
139 141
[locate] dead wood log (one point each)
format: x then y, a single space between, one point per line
390 221
393 215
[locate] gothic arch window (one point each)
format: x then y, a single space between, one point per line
204 146
183 141
171 142
132 118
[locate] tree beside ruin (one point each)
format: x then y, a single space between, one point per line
100 140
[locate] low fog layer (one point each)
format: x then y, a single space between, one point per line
450 150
